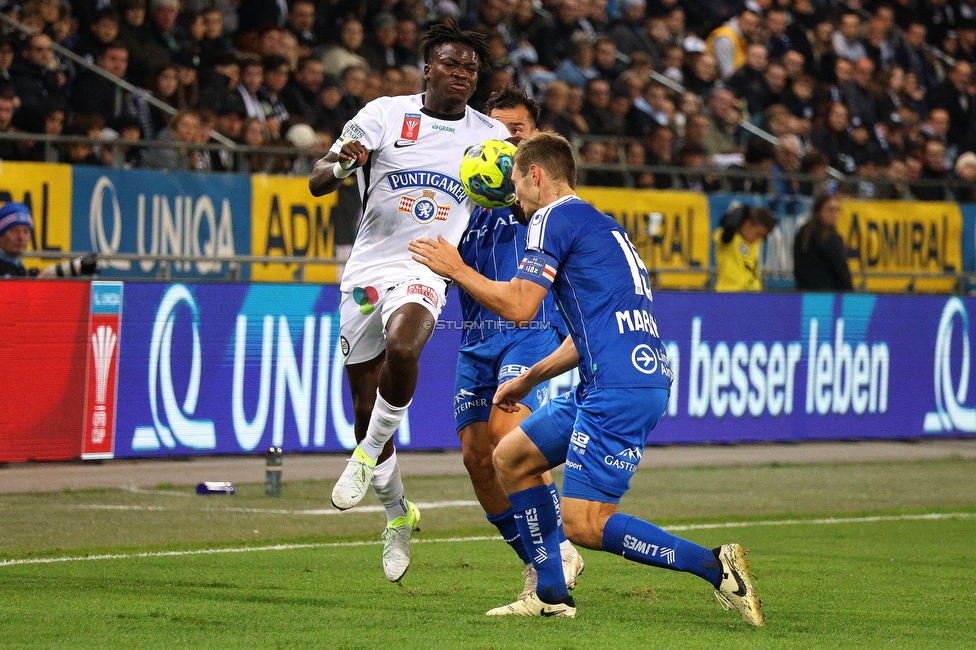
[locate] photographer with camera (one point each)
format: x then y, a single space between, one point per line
16 230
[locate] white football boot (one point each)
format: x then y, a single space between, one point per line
396 543
735 591
354 481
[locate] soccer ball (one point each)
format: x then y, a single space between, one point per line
486 173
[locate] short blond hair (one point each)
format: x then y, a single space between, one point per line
551 152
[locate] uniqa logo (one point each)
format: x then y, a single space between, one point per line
950 413
101 240
178 425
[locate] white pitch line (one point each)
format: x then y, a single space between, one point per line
935 516
279 511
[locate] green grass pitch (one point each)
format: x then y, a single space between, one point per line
844 556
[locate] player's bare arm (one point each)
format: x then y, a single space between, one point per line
517 300
324 179
509 394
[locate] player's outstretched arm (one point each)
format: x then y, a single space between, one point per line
329 172
518 300
562 359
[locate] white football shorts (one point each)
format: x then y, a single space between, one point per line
364 312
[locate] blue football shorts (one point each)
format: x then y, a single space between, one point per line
599 435
484 365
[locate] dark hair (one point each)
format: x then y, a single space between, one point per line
732 220
273 62
815 228
513 97
449 32
813 159
759 150
551 152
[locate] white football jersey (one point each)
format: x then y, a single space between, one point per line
410 184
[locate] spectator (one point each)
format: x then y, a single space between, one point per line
300 95
229 122
966 174
747 82
144 53
878 45
163 87
257 16
701 78
819 254
37 77
724 112
94 94
16 233
636 158
693 156
741 232
346 52
6 61
330 116
859 95
379 50
787 162
659 145
833 139
82 153
353 82
301 23
814 163
847 39
933 174
955 95
104 29
215 44
275 78
606 59
169 35
799 99
728 43
187 80
405 43
252 76
596 105
822 60
911 56
556 115
577 69
759 159
184 128
569 19
593 152
219 80
627 33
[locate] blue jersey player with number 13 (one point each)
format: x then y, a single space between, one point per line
598 430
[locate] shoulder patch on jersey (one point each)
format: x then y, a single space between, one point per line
352 131
411 126
483 118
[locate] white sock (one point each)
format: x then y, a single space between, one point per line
388 487
382 423
565 548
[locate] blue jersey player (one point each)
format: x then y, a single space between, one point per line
598 430
493 351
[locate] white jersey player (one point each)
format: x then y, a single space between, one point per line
407 151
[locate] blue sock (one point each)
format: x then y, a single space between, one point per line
642 541
554 493
535 516
505 523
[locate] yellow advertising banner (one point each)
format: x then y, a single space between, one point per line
287 221
46 189
669 229
884 238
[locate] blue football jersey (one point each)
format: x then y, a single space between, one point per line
603 293
493 245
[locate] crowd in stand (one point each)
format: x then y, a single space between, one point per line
883 90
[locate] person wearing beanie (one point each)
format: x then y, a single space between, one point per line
16 229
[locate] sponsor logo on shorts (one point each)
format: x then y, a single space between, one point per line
366 298
425 292
579 441
511 371
344 346
626 460
465 400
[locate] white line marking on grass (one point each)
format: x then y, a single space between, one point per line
935 516
280 511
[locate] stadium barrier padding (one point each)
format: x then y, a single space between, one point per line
234 368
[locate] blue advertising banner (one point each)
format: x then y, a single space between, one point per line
792 212
236 368
968 237
160 213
